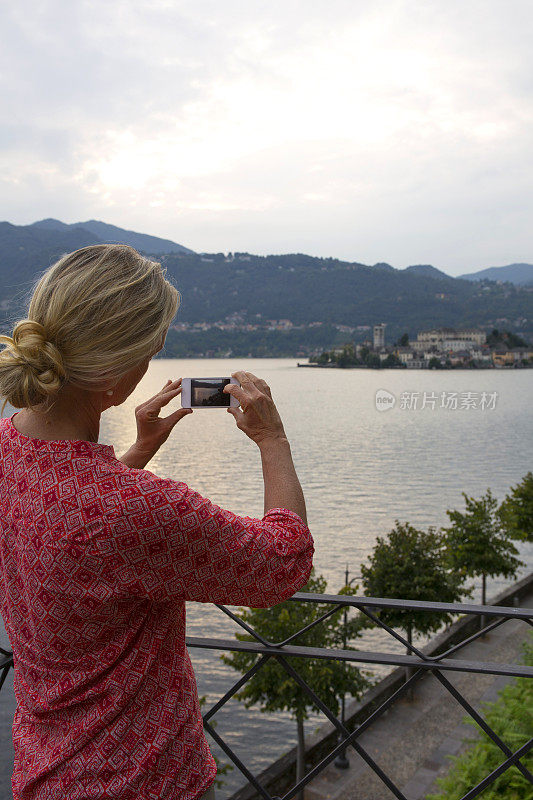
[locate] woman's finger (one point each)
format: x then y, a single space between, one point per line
168 387
249 377
251 382
240 375
235 412
162 399
237 391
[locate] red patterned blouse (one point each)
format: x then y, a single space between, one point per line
97 561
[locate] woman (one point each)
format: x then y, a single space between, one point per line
99 555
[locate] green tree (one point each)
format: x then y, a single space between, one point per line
404 340
506 338
512 720
347 358
373 360
272 687
516 511
434 363
410 564
392 360
478 544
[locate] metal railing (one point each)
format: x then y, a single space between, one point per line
419 662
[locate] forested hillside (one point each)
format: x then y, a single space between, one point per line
278 304
305 289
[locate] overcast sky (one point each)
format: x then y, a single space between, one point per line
383 130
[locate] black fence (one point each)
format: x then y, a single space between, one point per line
417 662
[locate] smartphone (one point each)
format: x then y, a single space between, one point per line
207 393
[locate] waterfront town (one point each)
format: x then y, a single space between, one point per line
435 348
438 348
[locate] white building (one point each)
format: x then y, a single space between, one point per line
405 354
446 339
418 363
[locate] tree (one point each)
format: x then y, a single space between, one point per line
516 511
506 338
404 340
272 687
434 363
392 360
410 564
477 543
510 719
373 360
347 358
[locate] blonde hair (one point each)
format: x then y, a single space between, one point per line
94 315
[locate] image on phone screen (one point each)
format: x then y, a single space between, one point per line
208 392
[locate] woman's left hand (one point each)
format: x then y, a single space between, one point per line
153 430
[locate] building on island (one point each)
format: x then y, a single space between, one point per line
508 358
405 354
379 336
449 339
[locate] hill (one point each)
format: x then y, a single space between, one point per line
26 250
305 289
519 274
295 299
110 233
427 270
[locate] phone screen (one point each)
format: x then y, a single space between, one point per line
208 392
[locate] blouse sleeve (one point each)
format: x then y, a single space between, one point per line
168 541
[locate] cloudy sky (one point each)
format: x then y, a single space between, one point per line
375 130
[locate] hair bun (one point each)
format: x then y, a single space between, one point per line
94 315
35 363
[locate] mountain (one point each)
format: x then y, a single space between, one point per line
26 250
383 265
151 245
428 271
519 274
314 294
305 289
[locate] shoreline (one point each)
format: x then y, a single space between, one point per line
412 369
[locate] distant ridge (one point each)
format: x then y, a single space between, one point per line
383 265
27 250
520 274
427 270
298 288
103 232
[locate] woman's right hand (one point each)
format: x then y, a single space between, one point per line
258 416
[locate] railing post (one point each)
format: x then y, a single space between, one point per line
341 762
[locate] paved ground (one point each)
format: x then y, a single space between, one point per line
412 741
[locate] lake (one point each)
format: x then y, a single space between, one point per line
361 469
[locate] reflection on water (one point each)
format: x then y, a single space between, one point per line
360 469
